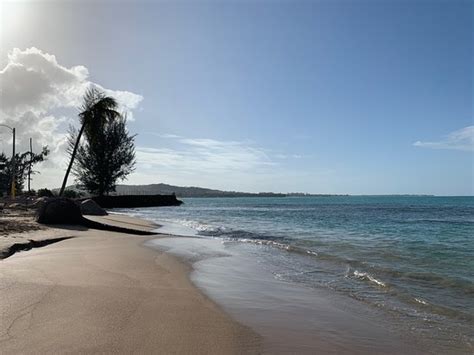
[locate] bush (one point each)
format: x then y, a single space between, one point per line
45 193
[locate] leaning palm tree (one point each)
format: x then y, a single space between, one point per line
96 110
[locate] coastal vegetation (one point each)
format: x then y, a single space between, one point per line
193 191
102 161
96 110
107 153
23 168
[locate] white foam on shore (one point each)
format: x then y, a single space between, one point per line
419 300
175 229
367 276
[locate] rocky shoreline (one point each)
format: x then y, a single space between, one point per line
131 201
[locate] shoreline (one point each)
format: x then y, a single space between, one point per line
106 292
240 307
390 272
291 319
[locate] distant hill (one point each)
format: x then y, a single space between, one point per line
185 191
191 191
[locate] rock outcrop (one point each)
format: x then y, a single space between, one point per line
92 208
66 211
59 211
132 201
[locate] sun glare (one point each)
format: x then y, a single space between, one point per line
13 17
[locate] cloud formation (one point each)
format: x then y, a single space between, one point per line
227 165
462 139
204 155
35 92
34 81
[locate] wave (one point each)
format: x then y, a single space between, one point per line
365 276
395 282
465 222
390 281
201 228
419 300
291 245
238 234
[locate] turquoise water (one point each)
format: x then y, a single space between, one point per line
412 257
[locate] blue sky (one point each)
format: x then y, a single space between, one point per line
361 97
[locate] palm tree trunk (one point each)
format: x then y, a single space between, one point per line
71 162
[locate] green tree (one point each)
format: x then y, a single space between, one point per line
23 161
97 110
104 158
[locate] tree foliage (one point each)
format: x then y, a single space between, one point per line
22 164
96 111
106 156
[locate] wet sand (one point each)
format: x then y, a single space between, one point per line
105 292
290 318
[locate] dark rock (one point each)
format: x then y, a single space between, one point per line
131 201
90 207
59 211
108 227
66 211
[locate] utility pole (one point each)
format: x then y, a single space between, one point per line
29 167
13 167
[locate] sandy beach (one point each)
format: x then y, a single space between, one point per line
70 289
105 292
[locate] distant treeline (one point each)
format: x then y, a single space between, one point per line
180 191
189 191
192 191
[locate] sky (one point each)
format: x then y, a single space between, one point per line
356 97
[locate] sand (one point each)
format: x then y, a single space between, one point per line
18 226
105 292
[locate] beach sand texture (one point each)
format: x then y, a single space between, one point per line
104 292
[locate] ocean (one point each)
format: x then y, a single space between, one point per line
408 257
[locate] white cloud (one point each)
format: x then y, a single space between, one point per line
205 156
164 135
462 139
39 96
34 87
227 165
288 156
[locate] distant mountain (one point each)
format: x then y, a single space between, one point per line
186 191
